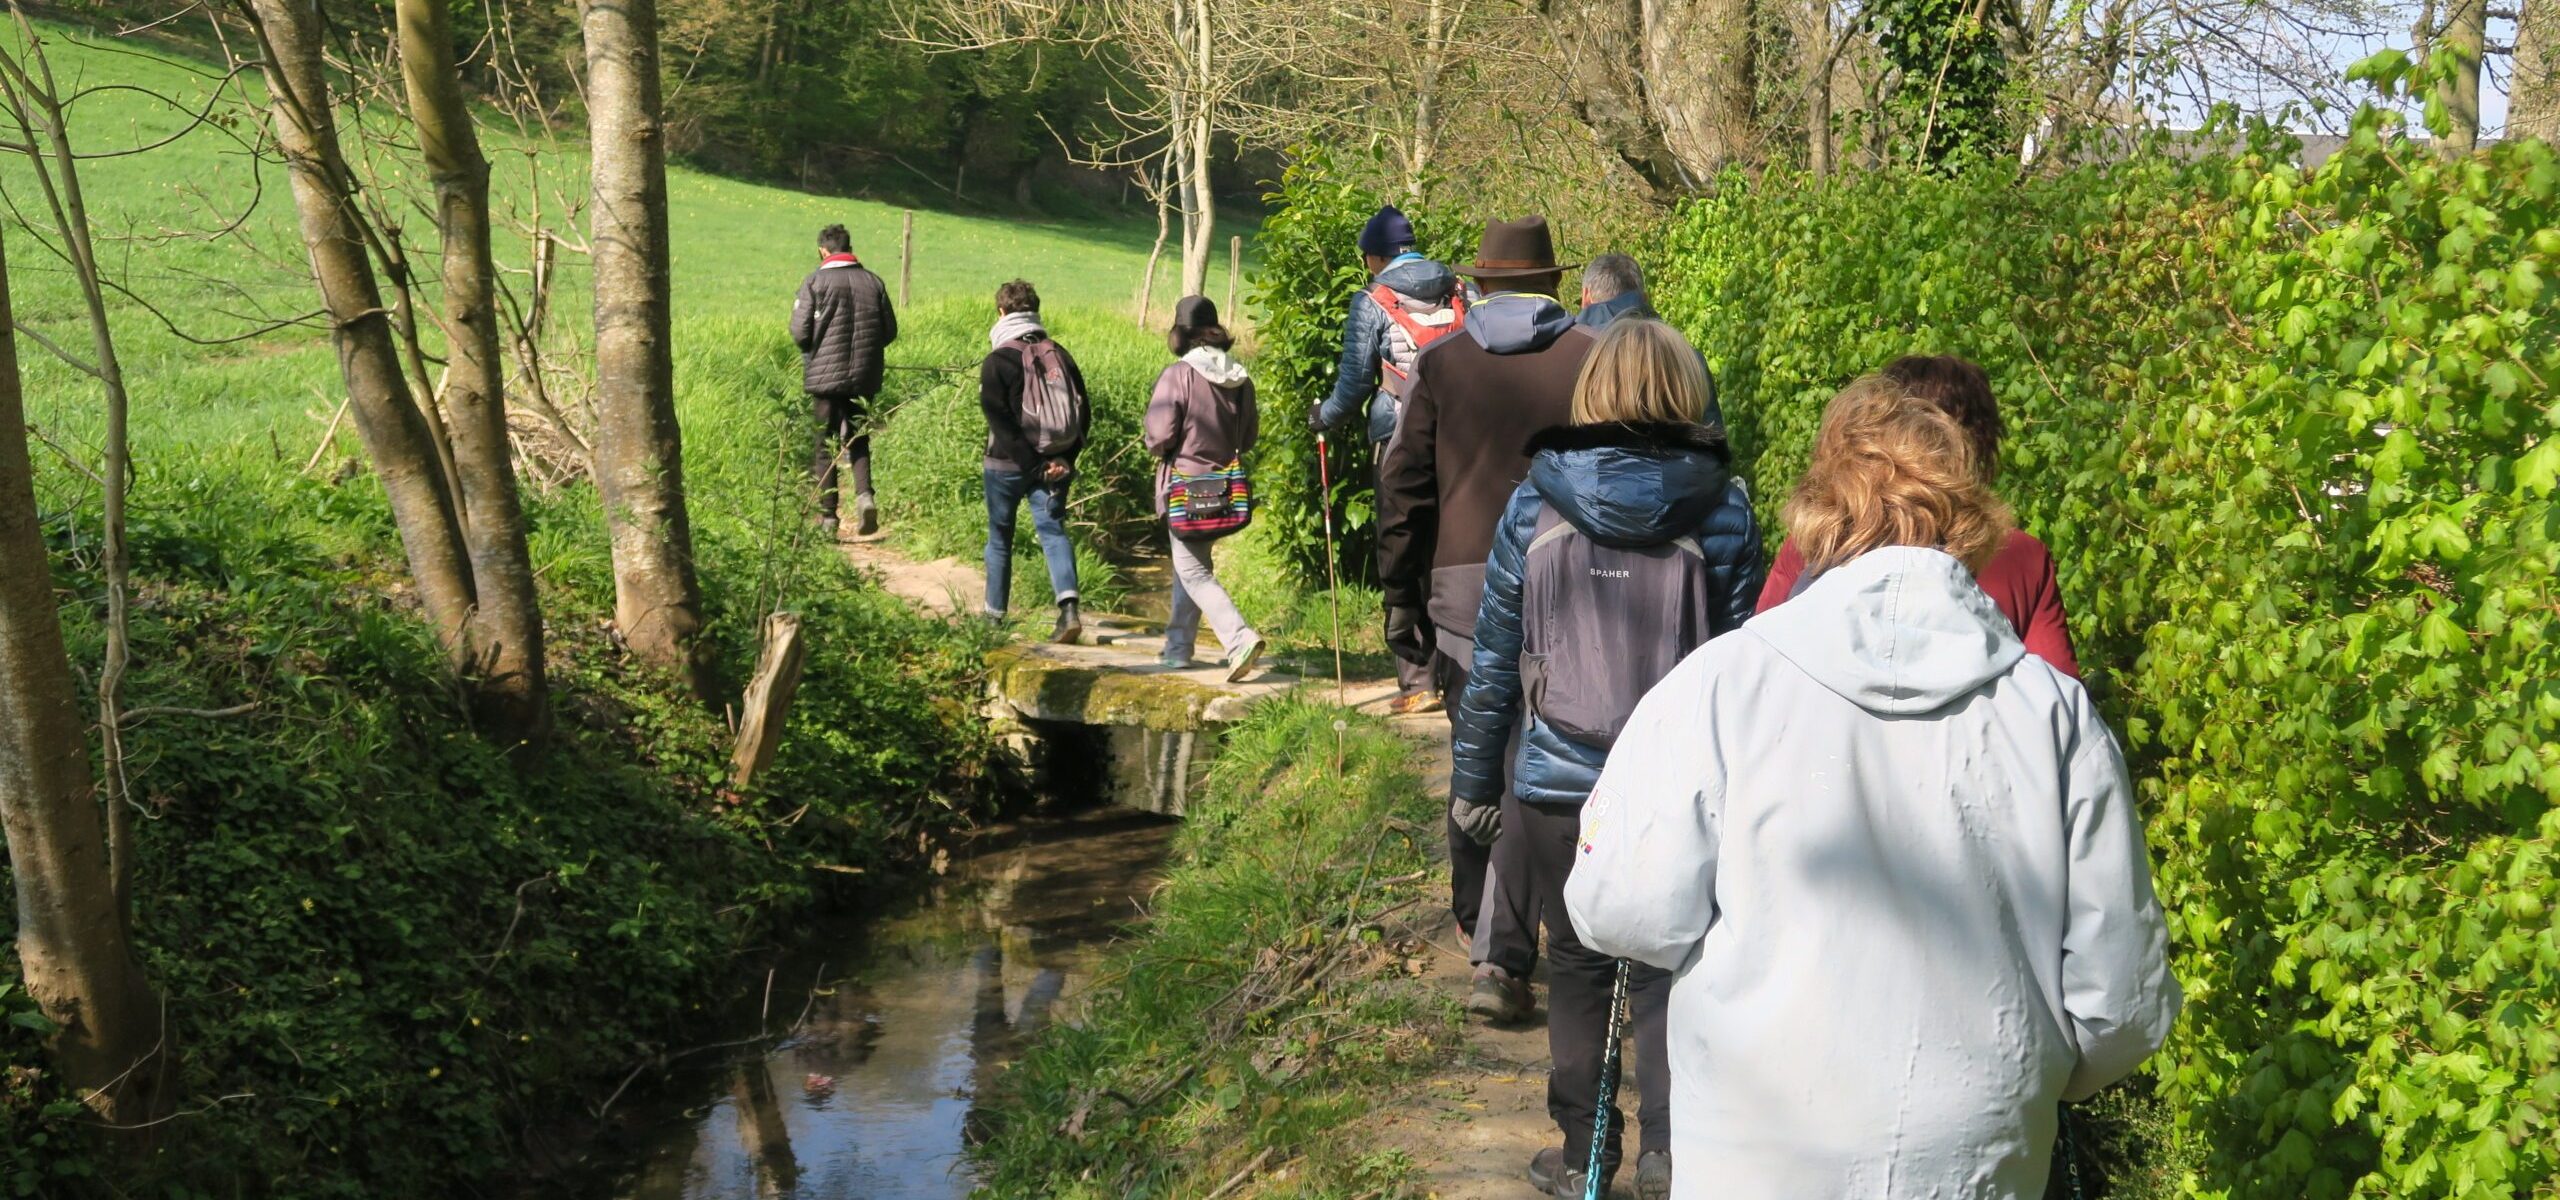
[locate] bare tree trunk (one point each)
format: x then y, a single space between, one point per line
1699 63
2533 99
1426 99
506 642
639 447
74 948
1164 213
2466 34
1191 132
1604 47
394 432
1819 62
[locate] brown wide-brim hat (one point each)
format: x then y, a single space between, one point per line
1516 250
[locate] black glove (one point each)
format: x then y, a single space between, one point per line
1315 418
1480 822
1409 635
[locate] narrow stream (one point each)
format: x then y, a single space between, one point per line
871 1094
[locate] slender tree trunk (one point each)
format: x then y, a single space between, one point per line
1147 286
394 433
2466 34
1819 62
1426 99
639 448
2533 99
1204 204
506 642
74 947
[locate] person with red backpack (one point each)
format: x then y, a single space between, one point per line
1037 418
1410 303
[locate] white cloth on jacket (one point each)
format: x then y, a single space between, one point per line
1896 863
1012 326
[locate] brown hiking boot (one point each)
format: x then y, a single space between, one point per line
1415 703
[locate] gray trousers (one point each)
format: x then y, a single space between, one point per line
1196 594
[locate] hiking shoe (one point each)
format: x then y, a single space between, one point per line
1415 703
1499 997
866 516
1240 661
1070 624
1575 1184
1653 1175
1543 1169
827 528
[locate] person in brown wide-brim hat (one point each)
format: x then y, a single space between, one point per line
1521 249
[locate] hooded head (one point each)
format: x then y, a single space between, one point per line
1897 631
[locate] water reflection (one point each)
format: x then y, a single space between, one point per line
872 1095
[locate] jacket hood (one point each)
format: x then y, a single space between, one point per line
1899 630
1420 278
1517 322
1631 485
1215 365
1599 313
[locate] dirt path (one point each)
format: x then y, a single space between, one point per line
1470 1126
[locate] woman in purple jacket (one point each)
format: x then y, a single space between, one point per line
1201 420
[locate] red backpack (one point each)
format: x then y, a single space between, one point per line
1399 367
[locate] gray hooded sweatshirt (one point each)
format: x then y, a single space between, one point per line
1896 863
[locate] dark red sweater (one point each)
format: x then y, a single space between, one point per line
2020 580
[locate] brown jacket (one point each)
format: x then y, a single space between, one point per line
1473 403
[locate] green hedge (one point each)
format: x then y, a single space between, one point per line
2289 435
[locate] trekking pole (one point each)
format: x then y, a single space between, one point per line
1332 575
1591 1181
1333 580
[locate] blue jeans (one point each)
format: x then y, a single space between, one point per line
1006 491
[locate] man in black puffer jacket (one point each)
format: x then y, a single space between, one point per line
842 323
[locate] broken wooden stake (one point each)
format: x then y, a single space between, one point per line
768 699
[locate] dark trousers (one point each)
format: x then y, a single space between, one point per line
1411 678
844 428
1489 888
1579 980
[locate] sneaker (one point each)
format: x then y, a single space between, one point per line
1070 625
1499 997
1415 703
1543 1169
866 516
1175 662
1240 661
1653 1175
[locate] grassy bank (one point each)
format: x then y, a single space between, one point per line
396 964
1266 1003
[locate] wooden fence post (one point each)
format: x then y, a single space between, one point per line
906 256
768 699
1235 267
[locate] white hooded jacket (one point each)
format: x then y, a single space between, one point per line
1896 863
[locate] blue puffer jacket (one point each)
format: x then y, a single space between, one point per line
1620 485
1364 338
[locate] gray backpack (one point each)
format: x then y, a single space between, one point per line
1600 625
1053 411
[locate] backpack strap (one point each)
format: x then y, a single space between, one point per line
1422 335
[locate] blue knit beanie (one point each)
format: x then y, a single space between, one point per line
1387 233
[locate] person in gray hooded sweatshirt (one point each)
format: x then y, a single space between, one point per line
1410 303
1201 419
1892 858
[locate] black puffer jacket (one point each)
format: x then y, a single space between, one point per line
842 323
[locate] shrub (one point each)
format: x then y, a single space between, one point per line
2289 436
